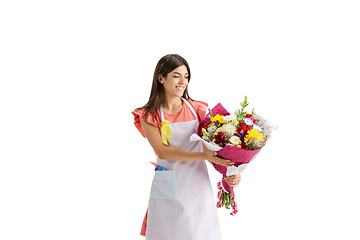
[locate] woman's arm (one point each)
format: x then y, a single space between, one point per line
153 135
233 180
205 149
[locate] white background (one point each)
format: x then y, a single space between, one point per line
73 166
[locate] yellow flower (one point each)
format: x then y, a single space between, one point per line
217 118
254 135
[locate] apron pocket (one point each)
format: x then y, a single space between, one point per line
164 185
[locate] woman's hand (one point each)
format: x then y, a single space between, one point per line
211 157
233 180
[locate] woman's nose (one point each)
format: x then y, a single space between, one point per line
182 79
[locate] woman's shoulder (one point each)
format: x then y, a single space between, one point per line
197 103
200 107
140 114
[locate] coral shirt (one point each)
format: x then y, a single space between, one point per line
184 115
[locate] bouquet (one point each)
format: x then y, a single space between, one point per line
237 137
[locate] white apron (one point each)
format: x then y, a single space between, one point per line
181 205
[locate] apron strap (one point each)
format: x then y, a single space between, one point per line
191 108
187 103
162 113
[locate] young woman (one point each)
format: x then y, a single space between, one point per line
181 204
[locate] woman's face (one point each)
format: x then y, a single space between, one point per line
176 81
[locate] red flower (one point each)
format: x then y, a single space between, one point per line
248 116
243 128
205 126
220 138
243 146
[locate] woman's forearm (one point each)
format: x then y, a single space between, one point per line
167 152
177 154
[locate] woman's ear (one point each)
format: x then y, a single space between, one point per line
161 79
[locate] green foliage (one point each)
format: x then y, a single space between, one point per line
226 200
242 113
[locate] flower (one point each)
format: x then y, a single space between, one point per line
230 117
253 134
248 121
234 122
267 126
220 129
220 138
246 134
203 128
218 118
211 129
242 136
257 127
235 140
205 137
243 128
229 129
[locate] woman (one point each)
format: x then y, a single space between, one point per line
181 204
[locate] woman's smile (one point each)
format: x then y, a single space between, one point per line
177 79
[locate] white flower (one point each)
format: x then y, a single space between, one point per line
220 129
248 121
206 138
267 126
230 117
257 128
235 140
229 129
211 129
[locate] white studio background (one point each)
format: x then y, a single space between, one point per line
73 166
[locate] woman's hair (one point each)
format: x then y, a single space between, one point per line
165 65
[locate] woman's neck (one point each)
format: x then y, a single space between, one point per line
172 105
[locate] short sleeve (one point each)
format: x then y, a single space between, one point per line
200 108
139 113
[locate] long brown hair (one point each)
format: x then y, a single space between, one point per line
165 65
